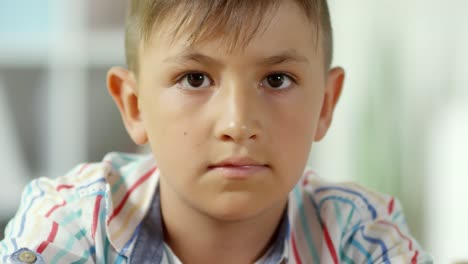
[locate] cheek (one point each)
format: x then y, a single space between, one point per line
295 119
173 127
170 115
293 134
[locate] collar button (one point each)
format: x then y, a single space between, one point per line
27 257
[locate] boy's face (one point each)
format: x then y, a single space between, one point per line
198 106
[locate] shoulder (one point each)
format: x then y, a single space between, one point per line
80 189
49 197
86 179
345 197
66 210
355 221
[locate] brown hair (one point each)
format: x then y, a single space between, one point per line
212 19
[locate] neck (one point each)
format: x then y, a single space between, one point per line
196 237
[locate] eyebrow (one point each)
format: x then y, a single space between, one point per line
283 57
286 56
192 57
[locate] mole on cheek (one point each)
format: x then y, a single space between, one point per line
185 133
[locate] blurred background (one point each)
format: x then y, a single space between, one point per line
401 126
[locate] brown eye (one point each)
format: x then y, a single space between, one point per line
195 81
277 81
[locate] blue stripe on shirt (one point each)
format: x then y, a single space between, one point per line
305 226
376 241
101 180
369 206
23 217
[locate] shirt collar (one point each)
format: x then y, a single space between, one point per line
134 208
278 251
132 181
150 242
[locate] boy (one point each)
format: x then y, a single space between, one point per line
230 96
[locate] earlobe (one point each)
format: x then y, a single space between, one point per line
122 87
333 89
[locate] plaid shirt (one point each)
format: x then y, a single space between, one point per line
108 212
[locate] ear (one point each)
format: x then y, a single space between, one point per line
122 87
333 90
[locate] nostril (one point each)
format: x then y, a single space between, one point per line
226 137
237 133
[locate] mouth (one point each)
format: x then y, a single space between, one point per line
239 168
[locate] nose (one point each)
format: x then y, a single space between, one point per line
240 114
237 132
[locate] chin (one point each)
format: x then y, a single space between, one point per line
237 207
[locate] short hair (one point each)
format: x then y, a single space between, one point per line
213 18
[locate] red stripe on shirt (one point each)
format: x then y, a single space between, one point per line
399 232
306 176
129 192
55 208
50 239
294 247
329 242
391 205
64 186
414 260
305 181
97 208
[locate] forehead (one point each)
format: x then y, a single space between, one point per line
277 29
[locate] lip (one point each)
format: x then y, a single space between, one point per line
238 168
237 162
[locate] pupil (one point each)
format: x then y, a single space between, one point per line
275 80
195 79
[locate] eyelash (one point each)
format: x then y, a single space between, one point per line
181 76
293 78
